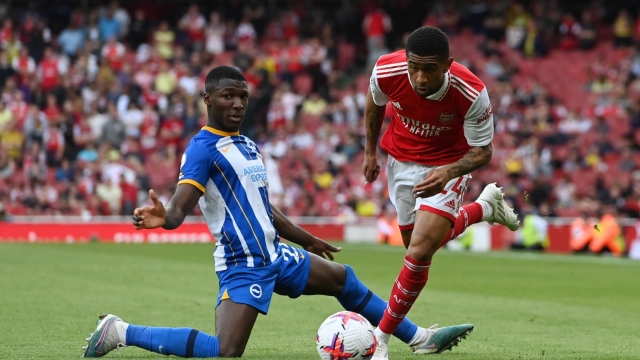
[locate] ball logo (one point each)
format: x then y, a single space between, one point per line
256 291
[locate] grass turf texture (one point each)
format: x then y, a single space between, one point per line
524 306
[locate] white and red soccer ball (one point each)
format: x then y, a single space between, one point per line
345 336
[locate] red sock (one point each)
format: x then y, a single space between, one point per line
412 279
467 216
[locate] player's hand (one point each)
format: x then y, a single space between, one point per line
433 183
371 168
150 217
322 248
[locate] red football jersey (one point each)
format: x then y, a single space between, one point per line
438 129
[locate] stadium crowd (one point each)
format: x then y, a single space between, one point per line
97 104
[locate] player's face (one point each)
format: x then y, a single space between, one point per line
227 104
427 73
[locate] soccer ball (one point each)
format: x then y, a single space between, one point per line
345 336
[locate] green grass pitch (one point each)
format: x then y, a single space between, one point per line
524 306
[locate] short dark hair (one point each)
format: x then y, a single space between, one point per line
428 41
220 73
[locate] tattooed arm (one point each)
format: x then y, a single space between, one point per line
437 179
476 158
373 115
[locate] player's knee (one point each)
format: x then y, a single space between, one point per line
423 250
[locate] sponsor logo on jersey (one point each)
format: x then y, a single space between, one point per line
486 115
397 104
422 129
450 204
446 118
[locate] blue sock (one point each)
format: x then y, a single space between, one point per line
184 342
358 298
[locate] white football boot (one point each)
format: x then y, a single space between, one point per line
502 213
382 346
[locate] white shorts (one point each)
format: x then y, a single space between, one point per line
403 176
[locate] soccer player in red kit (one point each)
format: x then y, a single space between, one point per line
441 131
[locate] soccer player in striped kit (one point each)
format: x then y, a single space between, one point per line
441 131
223 172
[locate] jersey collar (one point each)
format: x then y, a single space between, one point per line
220 132
439 95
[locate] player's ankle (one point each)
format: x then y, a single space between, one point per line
381 336
421 336
487 210
122 327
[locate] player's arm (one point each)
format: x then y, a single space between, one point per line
478 129
374 109
170 217
300 236
195 169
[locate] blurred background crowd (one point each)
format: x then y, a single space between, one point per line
97 103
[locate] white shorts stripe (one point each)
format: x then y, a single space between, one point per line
464 84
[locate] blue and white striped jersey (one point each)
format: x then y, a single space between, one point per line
228 168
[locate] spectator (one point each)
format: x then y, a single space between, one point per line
517 25
111 195
113 131
569 31
139 32
49 70
7 164
193 23
587 34
129 196
113 52
534 44
121 15
166 80
109 26
245 32
494 24
214 34
627 161
72 39
163 38
314 105
24 64
623 29
376 25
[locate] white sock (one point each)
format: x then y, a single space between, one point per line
421 335
381 336
122 327
487 210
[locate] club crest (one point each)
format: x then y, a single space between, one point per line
446 118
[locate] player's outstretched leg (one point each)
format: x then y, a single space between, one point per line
113 333
490 207
234 323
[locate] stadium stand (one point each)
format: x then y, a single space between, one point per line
98 103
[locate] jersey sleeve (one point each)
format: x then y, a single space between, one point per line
195 166
379 97
478 123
